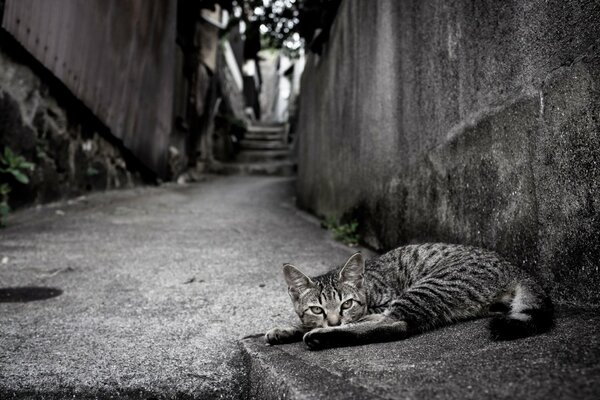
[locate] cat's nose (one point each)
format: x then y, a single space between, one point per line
334 321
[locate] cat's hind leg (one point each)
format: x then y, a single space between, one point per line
372 328
525 310
430 305
284 335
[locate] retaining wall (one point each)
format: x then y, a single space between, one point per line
73 152
461 121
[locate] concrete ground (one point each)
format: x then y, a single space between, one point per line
145 293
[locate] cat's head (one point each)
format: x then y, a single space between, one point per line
332 299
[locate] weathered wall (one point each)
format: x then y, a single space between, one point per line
72 151
461 121
117 57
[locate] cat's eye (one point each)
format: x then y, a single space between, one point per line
316 310
347 304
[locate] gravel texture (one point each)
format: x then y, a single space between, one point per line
158 285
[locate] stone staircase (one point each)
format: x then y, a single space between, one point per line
264 151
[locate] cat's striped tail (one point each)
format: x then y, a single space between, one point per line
525 310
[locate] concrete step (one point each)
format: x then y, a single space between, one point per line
248 156
272 168
455 362
264 136
266 129
273 373
264 144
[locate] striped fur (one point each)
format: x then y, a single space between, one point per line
413 289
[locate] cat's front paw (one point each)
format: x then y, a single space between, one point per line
320 338
283 335
274 336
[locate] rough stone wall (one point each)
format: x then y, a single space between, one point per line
41 121
461 121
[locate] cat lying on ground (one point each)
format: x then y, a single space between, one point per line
410 290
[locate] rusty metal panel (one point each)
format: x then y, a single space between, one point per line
116 56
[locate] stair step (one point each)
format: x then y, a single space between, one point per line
262 155
264 136
266 129
272 168
263 144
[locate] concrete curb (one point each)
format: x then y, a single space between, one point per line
456 362
272 373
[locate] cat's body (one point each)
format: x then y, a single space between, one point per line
409 290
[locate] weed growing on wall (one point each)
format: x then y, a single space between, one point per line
4 208
345 233
15 166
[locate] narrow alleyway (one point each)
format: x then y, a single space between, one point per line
199 130
158 284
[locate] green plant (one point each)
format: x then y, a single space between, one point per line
4 207
345 233
41 148
91 171
14 165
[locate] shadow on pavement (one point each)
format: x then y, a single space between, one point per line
27 293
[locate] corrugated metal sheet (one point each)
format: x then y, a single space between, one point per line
117 56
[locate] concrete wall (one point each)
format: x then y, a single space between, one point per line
463 121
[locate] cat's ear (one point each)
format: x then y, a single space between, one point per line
297 282
353 271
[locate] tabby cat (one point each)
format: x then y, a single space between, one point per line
409 290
